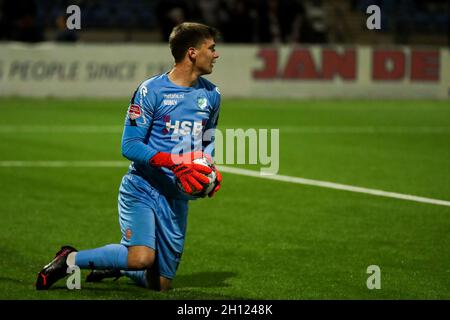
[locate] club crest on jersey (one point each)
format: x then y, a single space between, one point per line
202 102
134 111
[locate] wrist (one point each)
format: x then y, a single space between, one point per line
162 159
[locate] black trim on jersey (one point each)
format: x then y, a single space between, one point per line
134 95
133 122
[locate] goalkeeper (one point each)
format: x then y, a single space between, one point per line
163 134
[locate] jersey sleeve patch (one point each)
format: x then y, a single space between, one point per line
134 111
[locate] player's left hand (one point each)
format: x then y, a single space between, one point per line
218 181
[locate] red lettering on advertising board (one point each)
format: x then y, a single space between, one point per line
425 65
270 64
343 64
300 65
388 65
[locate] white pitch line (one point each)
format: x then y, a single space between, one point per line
332 185
366 129
244 172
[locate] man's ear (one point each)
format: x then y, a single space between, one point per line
192 53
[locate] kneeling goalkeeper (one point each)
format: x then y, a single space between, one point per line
166 111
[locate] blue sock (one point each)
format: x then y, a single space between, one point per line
111 256
140 277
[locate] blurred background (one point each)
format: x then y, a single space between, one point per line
424 22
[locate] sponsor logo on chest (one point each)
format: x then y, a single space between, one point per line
183 128
171 99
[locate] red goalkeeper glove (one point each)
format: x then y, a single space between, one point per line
185 170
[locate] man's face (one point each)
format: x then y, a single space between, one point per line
206 56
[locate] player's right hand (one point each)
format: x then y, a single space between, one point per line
193 174
184 168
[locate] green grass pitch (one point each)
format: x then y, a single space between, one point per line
257 239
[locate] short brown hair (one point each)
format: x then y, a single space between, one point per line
189 34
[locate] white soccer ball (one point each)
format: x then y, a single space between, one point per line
208 187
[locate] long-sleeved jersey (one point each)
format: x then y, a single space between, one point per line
165 117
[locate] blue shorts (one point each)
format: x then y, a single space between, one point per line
148 218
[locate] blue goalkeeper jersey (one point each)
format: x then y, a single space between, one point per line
165 117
